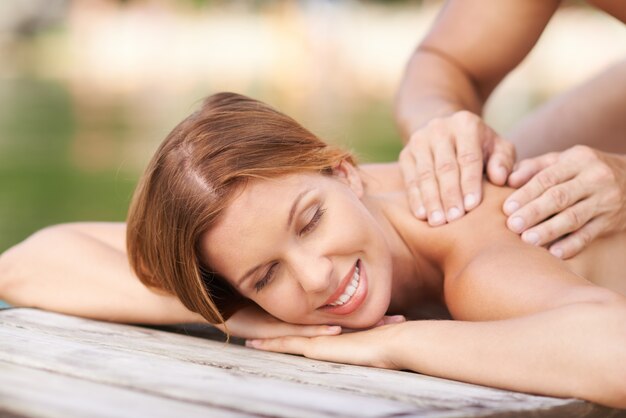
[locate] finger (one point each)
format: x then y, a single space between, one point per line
569 220
500 161
577 241
526 169
308 330
408 169
447 170
470 160
289 345
554 200
429 188
544 180
393 319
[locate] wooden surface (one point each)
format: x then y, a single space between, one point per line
53 365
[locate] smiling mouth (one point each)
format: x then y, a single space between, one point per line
349 291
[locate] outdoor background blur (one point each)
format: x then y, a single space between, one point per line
88 89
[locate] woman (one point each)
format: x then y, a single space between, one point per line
242 204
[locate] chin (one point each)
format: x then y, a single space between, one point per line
370 315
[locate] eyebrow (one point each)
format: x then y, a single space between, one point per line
292 212
294 206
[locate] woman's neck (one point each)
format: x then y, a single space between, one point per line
417 263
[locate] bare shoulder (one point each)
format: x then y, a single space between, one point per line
499 276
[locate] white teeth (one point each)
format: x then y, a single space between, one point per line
350 290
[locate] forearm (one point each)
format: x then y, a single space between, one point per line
433 86
573 351
64 270
592 114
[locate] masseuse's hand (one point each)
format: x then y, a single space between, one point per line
253 322
364 348
442 166
585 188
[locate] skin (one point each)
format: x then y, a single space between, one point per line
369 221
439 105
528 326
511 314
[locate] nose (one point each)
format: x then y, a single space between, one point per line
313 272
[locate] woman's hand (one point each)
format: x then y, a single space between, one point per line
585 188
442 166
372 347
253 322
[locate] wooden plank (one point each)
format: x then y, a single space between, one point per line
237 378
105 360
25 391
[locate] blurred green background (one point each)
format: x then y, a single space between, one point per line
89 89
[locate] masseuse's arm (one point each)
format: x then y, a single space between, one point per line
591 114
81 269
446 83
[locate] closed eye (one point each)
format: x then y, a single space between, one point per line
313 222
266 279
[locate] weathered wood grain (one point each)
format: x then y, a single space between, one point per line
207 374
35 392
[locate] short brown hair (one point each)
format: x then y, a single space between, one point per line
191 180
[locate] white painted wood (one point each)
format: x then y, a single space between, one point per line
34 392
235 378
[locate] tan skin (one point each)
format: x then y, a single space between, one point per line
439 105
524 320
480 234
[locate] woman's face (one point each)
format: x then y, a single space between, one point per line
306 249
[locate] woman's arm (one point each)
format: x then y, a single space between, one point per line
81 269
572 351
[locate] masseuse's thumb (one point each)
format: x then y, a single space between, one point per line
500 161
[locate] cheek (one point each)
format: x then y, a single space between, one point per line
283 301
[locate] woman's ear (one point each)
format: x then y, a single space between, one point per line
348 174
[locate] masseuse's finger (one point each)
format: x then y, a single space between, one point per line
470 158
554 200
448 178
500 160
429 188
575 242
538 185
526 169
408 168
569 220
